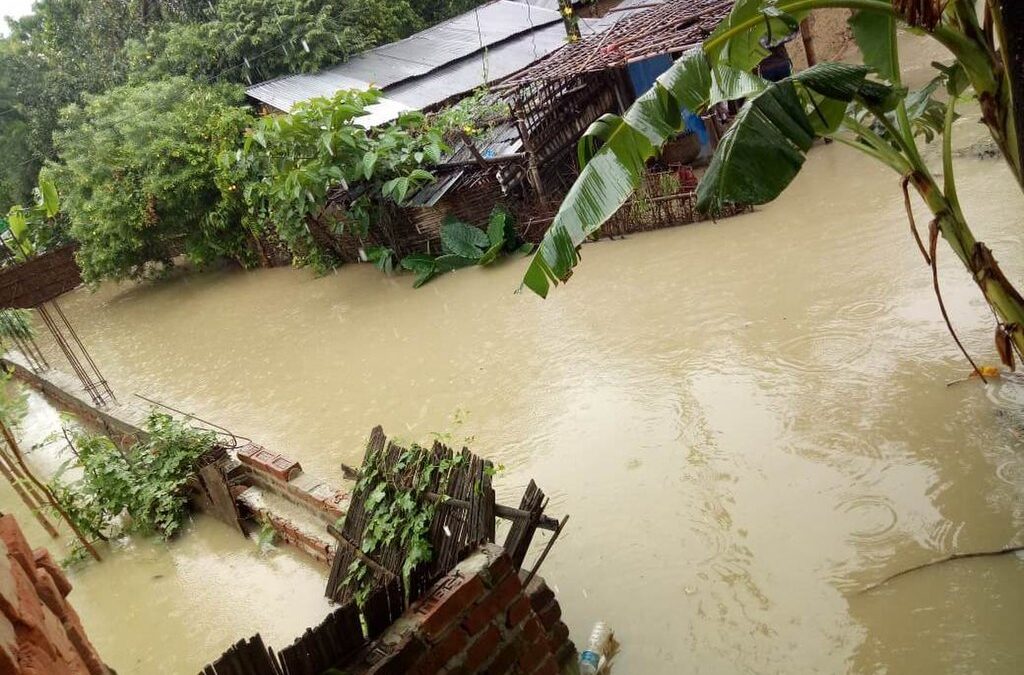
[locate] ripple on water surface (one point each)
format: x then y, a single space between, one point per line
872 519
822 352
864 310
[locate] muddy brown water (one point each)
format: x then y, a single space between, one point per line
153 607
748 421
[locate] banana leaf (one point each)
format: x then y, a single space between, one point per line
614 151
759 156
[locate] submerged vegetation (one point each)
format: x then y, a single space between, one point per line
317 172
463 245
143 488
398 511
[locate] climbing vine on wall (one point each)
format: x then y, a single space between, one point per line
318 171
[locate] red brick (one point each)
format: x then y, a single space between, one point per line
49 594
500 568
450 646
519 610
17 547
84 648
8 587
439 612
532 629
265 461
481 651
548 667
401 660
532 654
550 614
28 607
539 593
557 636
504 662
45 561
493 605
8 642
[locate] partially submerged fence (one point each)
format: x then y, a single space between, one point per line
464 519
483 616
334 642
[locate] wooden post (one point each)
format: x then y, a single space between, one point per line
31 501
477 157
806 26
532 170
12 443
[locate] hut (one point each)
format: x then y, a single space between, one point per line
555 87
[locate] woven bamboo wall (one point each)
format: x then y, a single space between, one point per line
40 279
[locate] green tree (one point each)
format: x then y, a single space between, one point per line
865 107
137 174
315 172
62 51
251 40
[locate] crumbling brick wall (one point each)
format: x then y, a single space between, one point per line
40 632
479 618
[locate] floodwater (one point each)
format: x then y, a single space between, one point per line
748 422
152 607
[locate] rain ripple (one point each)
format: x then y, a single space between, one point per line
822 352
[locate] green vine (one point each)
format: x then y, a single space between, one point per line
398 511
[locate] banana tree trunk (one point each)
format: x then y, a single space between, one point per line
1001 295
1012 14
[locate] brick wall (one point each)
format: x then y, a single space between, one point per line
40 632
479 618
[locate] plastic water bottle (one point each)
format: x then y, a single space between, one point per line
593 655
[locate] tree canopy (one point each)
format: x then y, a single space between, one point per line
137 175
69 49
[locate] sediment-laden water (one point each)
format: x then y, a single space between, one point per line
152 607
748 422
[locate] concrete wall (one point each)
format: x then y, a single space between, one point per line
40 632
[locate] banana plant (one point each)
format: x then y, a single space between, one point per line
863 106
23 222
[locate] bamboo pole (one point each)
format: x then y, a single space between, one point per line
12 443
806 26
30 500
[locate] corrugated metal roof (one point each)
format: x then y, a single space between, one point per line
621 11
469 73
543 4
438 51
501 141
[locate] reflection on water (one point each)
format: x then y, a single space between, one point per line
748 421
153 607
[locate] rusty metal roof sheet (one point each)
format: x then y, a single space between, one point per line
634 31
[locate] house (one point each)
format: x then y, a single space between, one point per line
555 89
